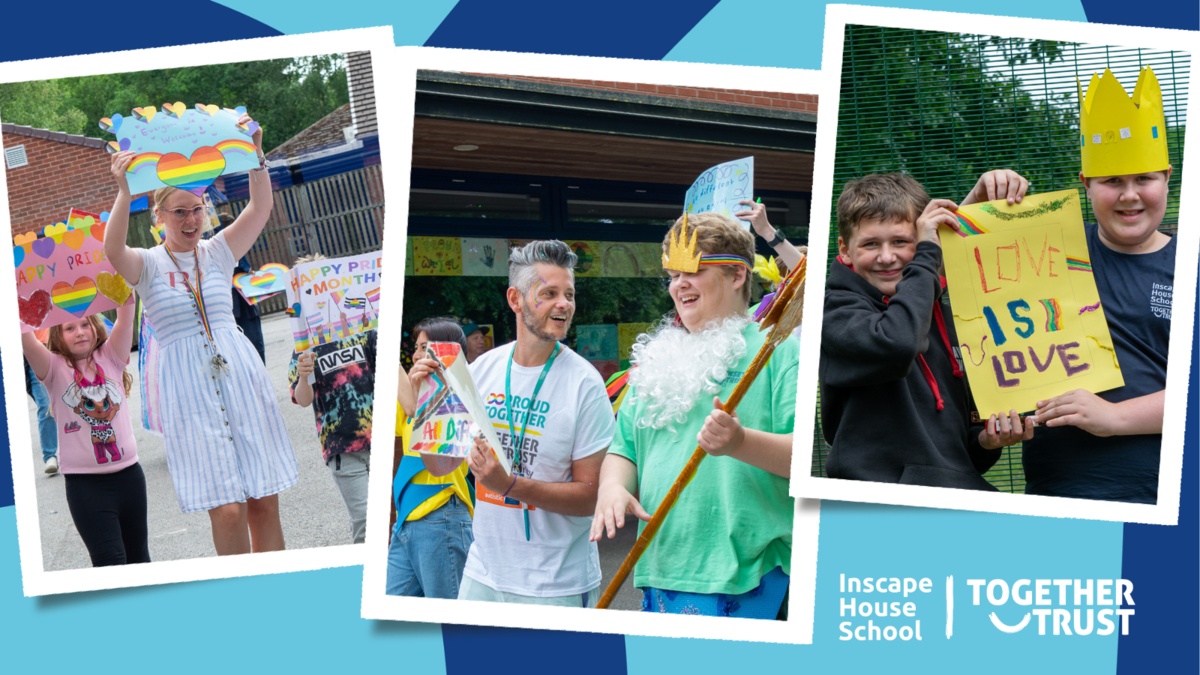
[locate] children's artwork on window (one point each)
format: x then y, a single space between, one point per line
484 257
64 274
598 344
333 298
186 148
439 256
1028 316
721 187
450 413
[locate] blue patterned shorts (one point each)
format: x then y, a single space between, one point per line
761 603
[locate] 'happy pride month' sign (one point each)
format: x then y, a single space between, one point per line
334 298
186 148
65 275
1029 318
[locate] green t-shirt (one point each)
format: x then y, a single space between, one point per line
733 523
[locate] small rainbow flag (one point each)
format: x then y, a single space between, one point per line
969 227
1054 316
1078 264
337 297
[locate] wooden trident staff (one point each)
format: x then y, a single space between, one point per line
785 313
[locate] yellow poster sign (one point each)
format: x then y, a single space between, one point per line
437 256
1029 319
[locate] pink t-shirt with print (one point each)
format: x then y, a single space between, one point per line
92 417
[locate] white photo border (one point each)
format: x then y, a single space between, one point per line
376 604
1166 511
36 580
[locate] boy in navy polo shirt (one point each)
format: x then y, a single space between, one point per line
1106 446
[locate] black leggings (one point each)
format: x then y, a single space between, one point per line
109 510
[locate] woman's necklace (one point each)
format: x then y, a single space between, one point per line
218 363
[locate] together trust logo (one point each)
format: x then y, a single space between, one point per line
1060 606
494 399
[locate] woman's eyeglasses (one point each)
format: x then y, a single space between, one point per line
181 215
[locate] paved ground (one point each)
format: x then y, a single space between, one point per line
612 552
312 511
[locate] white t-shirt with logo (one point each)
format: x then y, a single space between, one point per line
572 419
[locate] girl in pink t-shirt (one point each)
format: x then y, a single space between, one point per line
84 372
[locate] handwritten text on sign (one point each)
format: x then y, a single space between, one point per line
1028 316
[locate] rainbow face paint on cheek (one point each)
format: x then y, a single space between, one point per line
536 302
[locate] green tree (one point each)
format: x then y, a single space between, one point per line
42 104
285 96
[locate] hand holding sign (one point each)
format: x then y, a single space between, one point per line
1026 309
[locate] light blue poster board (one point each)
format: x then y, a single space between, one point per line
721 187
182 147
597 342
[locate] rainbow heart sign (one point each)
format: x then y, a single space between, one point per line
65 275
182 147
193 173
267 280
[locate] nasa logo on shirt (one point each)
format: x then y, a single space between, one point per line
336 360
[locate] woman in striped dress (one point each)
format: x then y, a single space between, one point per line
227 447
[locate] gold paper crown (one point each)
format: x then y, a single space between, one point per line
682 255
1118 134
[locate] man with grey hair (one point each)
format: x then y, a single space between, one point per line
549 407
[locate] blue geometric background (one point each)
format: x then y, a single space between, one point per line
309 621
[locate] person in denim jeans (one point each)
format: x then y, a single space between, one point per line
434 509
46 431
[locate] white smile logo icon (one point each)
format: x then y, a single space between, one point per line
1007 628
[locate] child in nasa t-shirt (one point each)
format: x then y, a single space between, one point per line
342 396
571 419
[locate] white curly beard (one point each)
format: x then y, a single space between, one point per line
674 367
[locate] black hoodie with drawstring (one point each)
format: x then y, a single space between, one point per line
894 401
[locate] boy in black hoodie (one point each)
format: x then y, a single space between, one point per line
894 401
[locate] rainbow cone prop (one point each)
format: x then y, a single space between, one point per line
784 315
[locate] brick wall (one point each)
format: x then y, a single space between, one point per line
60 176
754 99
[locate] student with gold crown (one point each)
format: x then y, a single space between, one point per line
726 548
1106 446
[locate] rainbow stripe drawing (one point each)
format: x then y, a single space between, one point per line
969 227
1078 264
1054 315
182 147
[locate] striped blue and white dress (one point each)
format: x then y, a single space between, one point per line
225 436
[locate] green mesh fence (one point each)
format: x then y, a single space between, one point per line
947 107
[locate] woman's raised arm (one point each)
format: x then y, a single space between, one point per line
244 231
126 261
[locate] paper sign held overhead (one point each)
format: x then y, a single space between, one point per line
721 187
182 147
1029 319
65 275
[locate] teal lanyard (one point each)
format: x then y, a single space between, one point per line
519 441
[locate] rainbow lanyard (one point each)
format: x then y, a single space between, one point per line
518 442
197 293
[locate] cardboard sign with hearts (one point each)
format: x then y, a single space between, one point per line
65 275
267 280
182 147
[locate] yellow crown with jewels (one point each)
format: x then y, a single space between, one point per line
681 254
1119 134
